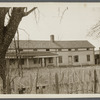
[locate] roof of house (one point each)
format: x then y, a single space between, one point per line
49 44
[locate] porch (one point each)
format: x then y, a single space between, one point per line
32 59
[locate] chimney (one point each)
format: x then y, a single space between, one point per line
52 38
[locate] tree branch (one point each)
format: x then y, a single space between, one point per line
63 14
16 16
94 31
27 13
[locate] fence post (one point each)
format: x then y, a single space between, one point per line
56 83
95 81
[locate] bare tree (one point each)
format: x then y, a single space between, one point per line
7 33
95 30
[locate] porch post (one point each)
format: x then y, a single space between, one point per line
42 62
58 61
27 63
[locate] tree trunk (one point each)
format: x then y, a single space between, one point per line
7 33
3 73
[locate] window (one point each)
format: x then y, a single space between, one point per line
87 48
11 61
21 62
69 49
47 49
88 57
36 61
50 60
76 49
60 59
76 59
34 49
59 49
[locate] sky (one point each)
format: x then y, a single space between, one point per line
66 21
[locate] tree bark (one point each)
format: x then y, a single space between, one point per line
3 73
7 33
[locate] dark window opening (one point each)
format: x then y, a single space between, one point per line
43 87
88 57
87 48
59 49
47 49
69 49
36 60
76 49
34 49
76 59
60 59
50 60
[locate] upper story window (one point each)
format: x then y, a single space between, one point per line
88 49
34 49
20 49
47 49
76 49
69 49
59 49
76 58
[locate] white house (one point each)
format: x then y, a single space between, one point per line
50 53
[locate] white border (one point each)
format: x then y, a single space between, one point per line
26 4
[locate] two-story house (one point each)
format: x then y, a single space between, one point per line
50 53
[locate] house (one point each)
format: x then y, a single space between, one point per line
50 53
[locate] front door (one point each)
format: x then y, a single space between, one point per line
69 60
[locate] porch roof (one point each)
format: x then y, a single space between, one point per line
30 54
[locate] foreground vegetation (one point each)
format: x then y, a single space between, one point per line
70 80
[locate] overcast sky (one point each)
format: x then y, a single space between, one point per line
75 24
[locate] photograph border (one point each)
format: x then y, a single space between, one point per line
42 97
